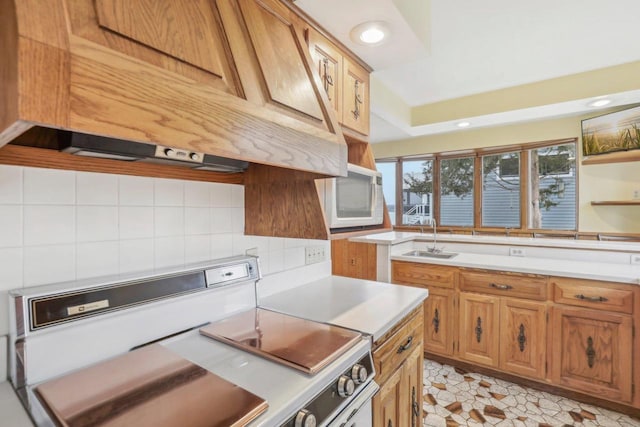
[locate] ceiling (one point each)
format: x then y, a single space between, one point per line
444 55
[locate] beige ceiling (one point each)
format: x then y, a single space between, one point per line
491 63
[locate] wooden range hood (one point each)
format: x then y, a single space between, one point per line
230 78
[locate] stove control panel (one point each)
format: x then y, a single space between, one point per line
329 402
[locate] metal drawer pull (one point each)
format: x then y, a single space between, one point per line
406 345
591 352
501 287
592 299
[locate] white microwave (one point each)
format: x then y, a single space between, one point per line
355 200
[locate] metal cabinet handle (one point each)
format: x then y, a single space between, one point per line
326 77
591 352
406 345
478 329
389 424
415 409
591 299
436 320
357 101
501 287
522 339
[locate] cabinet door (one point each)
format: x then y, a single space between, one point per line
439 315
386 403
523 337
412 401
327 61
281 53
355 113
479 333
353 259
592 352
181 36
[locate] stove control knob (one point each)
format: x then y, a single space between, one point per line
346 386
359 374
305 418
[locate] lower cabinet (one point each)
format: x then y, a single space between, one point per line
479 333
439 321
593 352
523 338
398 362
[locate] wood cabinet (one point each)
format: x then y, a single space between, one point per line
574 334
353 259
231 78
345 81
479 328
397 358
593 340
439 308
593 352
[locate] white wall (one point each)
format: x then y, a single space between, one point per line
64 225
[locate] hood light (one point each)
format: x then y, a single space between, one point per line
599 102
463 124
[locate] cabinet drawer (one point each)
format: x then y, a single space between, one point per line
422 274
393 351
593 294
517 285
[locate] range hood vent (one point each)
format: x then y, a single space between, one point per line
118 149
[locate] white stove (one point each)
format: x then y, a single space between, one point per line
67 328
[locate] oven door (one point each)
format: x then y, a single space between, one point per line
359 412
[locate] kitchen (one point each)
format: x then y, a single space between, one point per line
85 221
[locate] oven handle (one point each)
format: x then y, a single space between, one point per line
342 420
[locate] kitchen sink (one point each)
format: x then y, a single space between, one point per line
429 254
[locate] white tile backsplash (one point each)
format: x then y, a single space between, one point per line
60 226
169 221
197 194
136 255
49 225
136 222
96 189
96 223
49 187
49 264
10 226
197 221
168 192
169 251
97 259
135 190
197 248
10 185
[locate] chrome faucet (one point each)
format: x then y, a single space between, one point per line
433 249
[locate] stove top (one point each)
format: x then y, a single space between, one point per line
151 386
301 344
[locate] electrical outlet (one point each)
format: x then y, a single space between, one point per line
635 259
516 251
636 194
314 254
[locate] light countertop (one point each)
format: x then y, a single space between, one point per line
622 273
362 305
12 412
397 237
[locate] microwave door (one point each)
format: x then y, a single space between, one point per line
354 199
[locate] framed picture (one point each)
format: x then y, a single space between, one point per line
619 131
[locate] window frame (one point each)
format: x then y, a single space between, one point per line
478 154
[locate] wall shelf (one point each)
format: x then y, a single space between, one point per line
615 203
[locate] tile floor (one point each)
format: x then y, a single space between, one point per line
453 398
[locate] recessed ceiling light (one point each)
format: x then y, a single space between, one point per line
600 102
463 124
370 33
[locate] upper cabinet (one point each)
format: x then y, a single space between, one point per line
231 78
345 81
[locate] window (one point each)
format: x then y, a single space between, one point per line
552 187
388 170
456 191
501 190
519 187
417 191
